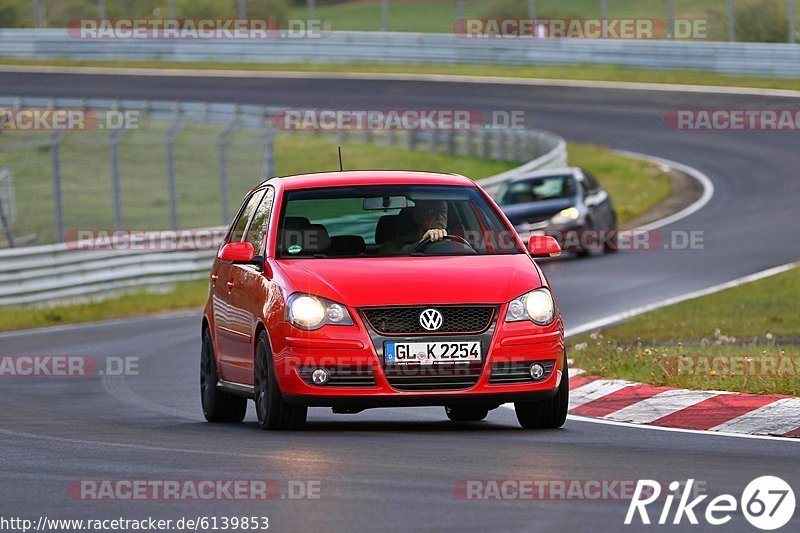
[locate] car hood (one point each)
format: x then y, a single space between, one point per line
536 211
363 282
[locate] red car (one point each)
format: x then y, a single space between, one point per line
354 290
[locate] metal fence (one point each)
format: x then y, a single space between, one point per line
180 164
186 169
767 59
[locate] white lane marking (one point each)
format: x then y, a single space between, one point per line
399 76
594 390
662 404
776 418
590 420
705 182
575 372
630 313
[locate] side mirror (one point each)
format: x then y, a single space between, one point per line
237 252
543 246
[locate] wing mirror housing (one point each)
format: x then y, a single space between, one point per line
241 253
543 246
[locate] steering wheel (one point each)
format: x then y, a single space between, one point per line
426 242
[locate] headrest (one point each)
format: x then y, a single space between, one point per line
386 228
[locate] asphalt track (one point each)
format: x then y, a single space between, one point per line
396 469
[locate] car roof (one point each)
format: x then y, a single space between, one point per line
574 171
368 177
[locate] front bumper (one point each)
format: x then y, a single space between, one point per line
359 347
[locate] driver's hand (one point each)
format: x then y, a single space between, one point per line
434 235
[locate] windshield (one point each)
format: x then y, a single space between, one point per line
538 189
391 221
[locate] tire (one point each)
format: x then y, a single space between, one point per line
466 413
218 406
273 412
583 251
546 414
612 247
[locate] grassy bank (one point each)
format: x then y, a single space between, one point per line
743 339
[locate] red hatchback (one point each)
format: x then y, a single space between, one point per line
355 290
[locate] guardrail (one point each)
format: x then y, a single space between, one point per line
766 59
67 271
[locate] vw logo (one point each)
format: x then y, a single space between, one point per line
431 319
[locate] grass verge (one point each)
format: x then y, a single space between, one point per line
743 339
185 295
611 73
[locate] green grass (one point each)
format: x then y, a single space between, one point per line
759 320
610 73
635 186
185 295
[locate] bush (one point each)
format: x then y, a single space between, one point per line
757 21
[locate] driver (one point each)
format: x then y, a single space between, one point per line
430 219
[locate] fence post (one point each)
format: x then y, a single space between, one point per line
603 9
459 9
792 31
384 15
4 173
312 9
269 153
55 144
670 19
532 9
731 21
169 141
116 188
242 11
223 166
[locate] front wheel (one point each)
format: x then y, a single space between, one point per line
546 414
218 406
466 413
273 412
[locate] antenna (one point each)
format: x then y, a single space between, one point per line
341 168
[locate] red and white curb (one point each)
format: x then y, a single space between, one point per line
726 412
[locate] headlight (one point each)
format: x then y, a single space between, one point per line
566 215
312 312
536 306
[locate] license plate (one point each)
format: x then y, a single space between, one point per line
431 353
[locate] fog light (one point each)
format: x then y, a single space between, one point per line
320 376
537 371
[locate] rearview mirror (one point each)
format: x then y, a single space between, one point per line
237 252
382 203
543 246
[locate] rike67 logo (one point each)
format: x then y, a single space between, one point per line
767 502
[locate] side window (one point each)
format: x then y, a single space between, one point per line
591 182
244 216
584 189
258 227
